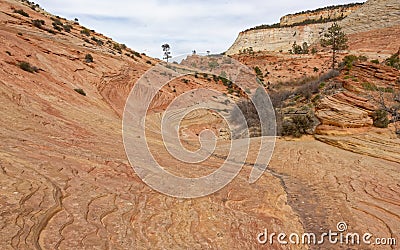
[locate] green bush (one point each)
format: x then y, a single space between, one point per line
28 67
380 118
369 86
67 28
98 41
38 23
85 32
137 54
21 12
258 71
314 51
297 49
56 27
89 58
80 91
297 126
376 61
349 61
393 61
56 21
117 47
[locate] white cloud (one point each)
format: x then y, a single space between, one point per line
184 24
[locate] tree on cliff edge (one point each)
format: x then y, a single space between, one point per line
167 53
336 40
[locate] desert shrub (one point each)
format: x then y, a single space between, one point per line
80 91
314 51
376 61
137 54
89 58
362 58
297 49
380 118
67 27
297 125
213 64
28 67
148 62
369 86
316 69
305 48
250 113
38 23
278 98
258 71
85 32
329 75
394 61
185 80
98 41
21 12
56 21
56 27
386 90
307 87
117 47
349 61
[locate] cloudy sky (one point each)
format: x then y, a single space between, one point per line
201 25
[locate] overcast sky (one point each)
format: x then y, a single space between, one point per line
201 25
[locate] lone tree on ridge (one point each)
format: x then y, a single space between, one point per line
336 40
167 53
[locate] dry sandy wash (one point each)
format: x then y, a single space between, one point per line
66 182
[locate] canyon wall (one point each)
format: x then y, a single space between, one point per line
276 39
373 15
334 12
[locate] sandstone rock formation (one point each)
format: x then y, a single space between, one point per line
276 39
333 12
346 120
373 15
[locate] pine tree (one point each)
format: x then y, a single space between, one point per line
167 53
336 39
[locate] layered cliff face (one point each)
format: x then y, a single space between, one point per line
373 15
334 12
276 39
